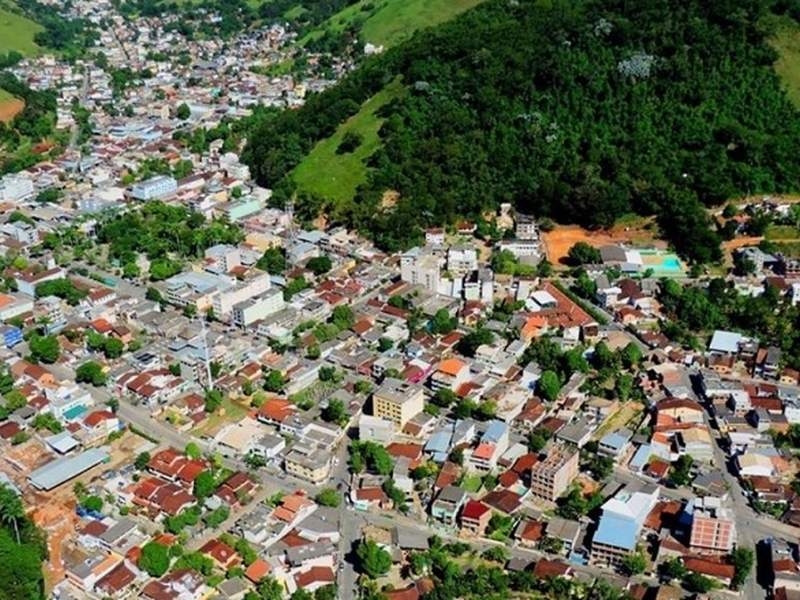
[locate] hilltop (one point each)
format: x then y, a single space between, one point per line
579 111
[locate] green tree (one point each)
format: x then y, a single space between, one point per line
328 497
319 265
335 412
183 112
442 323
204 485
11 510
91 372
94 503
273 261
44 348
192 450
634 563
673 568
274 381
631 355
213 400
583 254
548 386
697 583
373 560
141 461
154 559
742 559
343 317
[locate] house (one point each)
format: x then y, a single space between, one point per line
712 532
475 517
722 572
615 443
224 556
448 503
492 445
181 584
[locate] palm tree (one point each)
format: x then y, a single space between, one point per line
11 509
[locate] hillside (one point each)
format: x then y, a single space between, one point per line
17 31
582 111
389 22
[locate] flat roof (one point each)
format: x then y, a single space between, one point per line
62 470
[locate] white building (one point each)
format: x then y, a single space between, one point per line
254 309
421 269
155 188
15 188
225 300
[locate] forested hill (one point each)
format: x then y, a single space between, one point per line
581 111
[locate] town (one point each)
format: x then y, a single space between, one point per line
204 395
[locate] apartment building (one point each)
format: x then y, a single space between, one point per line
421 269
551 477
155 188
620 525
255 284
307 463
398 401
260 307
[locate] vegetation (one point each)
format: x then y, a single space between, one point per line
91 372
17 34
373 560
654 72
370 456
44 348
35 122
328 497
22 550
154 559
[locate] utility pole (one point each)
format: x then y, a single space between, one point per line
205 351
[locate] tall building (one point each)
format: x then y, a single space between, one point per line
713 531
526 228
421 269
155 188
551 477
260 307
620 525
398 401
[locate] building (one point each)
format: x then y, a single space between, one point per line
14 305
60 471
712 531
155 188
308 463
475 517
398 401
620 525
448 504
526 228
551 477
15 188
421 269
11 335
254 285
260 307
491 447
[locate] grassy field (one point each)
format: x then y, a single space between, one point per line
389 22
5 96
16 32
336 176
782 232
786 41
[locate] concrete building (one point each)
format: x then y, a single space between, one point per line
260 307
421 269
155 188
494 442
14 305
620 525
308 463
224 300
526 228
398 401
15 188
551 477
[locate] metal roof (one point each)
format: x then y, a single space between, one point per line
62 470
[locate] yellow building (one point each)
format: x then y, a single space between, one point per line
398 401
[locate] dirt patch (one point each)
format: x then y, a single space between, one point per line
389 199
58 520
558 241
10 109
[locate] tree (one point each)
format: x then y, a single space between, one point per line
270 589
631 355
343 317
697 583
335 412
373 560
328 497
217 517
551 545
273 261
141 461
11 509
470 342
673 568
183 112
153 295
681 471
634 563
213 400
93 503
442 323
91 372
193 451
548 386
583 254
319 265
742 559
204 485
537 439
47 421
496 554
327 592
444 397
44 348
274 381
351 140
154 559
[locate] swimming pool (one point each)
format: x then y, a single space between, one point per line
662 263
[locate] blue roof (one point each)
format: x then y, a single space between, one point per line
614 440
639 459
616 531
495 431
62 442
439 442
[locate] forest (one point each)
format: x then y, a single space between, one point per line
579 111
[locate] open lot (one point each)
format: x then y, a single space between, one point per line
639 232
10 107
786 42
